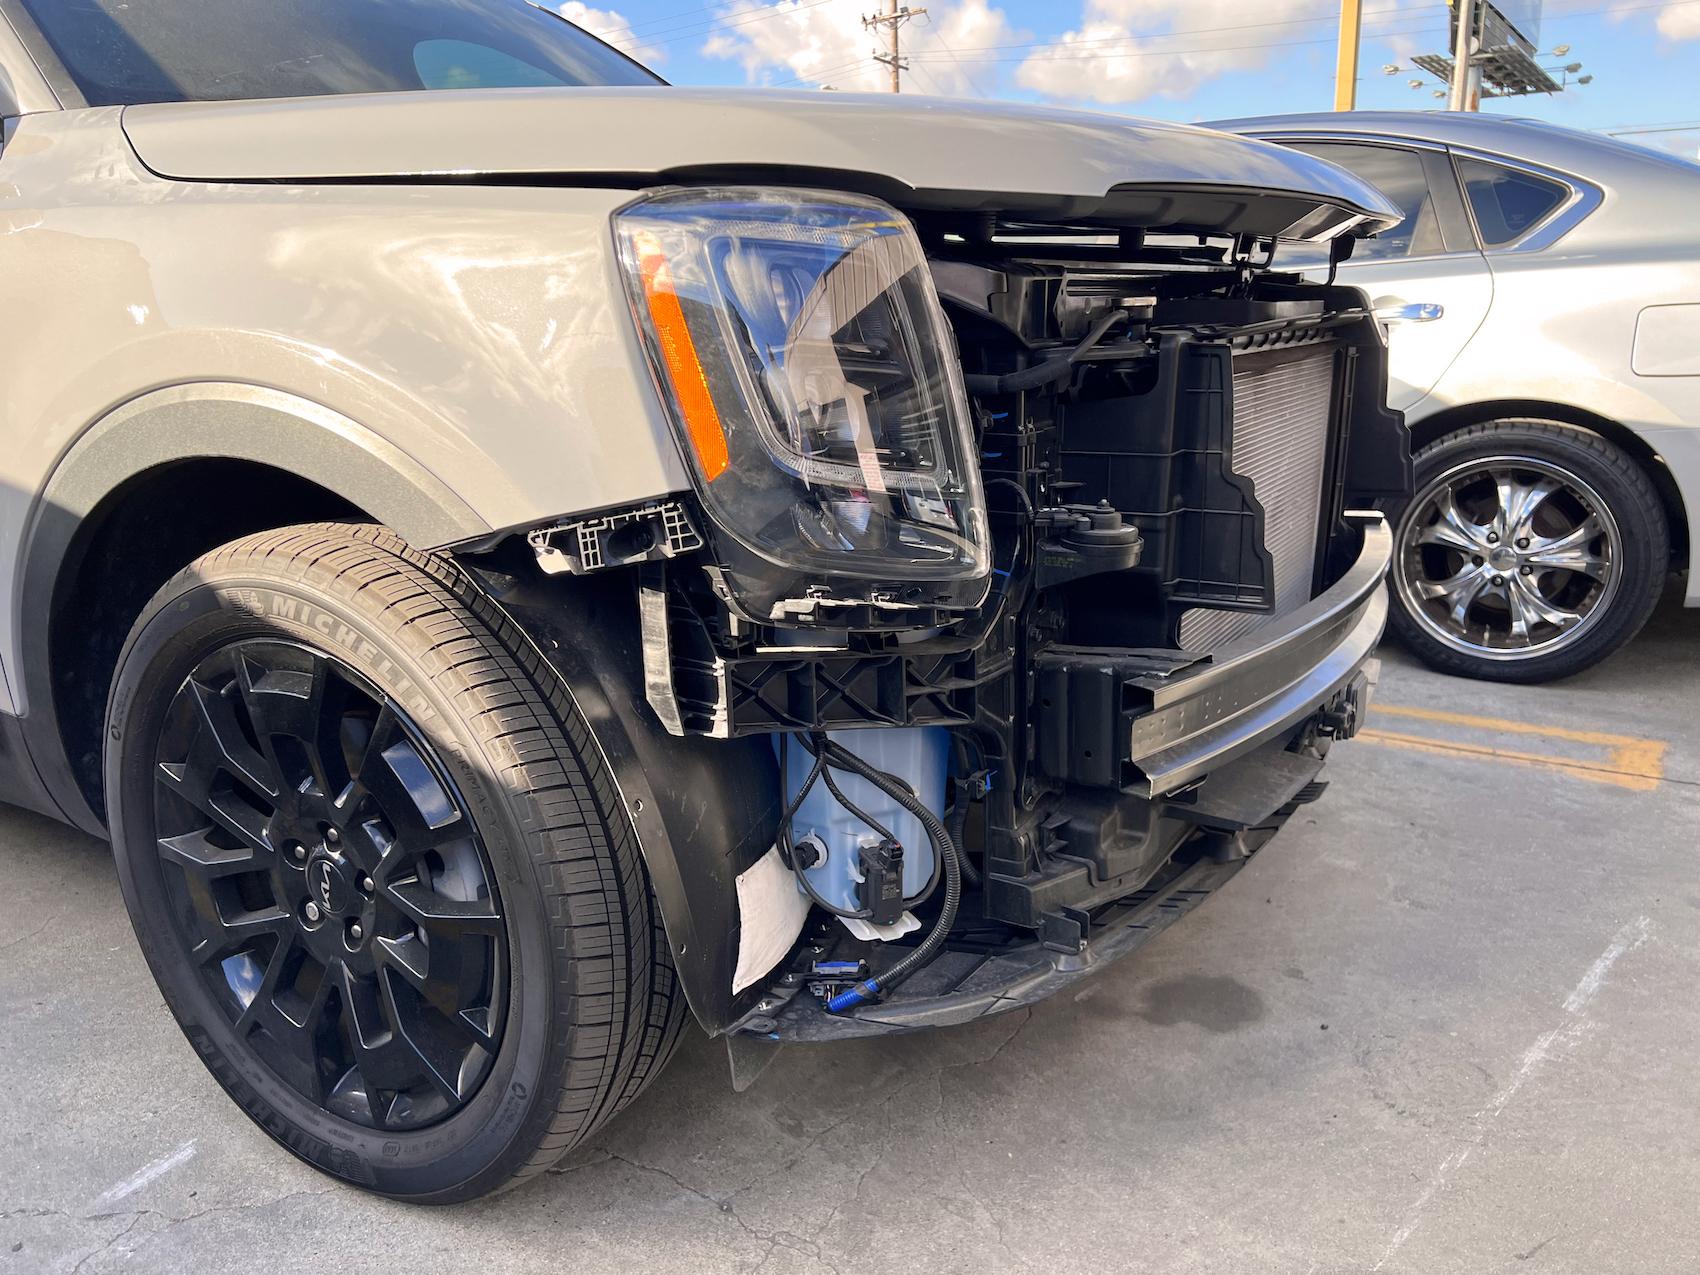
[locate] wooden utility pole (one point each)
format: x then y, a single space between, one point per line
1346 65
892 20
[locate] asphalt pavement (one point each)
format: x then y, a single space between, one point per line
1448 1021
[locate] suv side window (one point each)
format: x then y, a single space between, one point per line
1508 202
1402 177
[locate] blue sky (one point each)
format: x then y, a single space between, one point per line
1176 59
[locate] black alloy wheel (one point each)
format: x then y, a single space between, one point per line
329 885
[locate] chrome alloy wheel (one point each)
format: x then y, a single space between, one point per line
1507 558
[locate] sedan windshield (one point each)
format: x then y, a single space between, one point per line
124 52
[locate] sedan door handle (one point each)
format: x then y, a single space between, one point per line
1390 311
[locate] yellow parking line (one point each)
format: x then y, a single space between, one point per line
1505 725
1630 761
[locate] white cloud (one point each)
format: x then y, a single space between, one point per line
798 42
1675 21
1102 62
609 25
1128 50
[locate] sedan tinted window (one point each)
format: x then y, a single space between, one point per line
1399 175
123 52
1507 202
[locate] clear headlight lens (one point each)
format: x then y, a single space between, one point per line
799 342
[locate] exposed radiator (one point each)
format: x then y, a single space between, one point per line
1282 412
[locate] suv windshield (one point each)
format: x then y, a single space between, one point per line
123 52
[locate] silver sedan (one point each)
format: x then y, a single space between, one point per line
1542 300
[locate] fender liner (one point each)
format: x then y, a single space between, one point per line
205 420
704 809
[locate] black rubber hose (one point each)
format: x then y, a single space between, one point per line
1029 378
1056 368
872 989
957 825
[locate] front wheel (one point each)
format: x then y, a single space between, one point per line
1531 550
377 866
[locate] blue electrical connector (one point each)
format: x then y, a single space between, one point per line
864 993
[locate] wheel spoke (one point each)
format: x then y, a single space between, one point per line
197 853
289 703
226 809
438 914
1529 608
418 807
1451 529
362 1015
225 937
1464 596
441 978
1429 590
415 1043
290 1043
1570 551
407 957
220 729
1518 502
261 1006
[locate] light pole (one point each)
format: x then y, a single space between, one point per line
1461 57
1346 62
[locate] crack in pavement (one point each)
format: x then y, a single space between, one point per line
773 1239
171 1220
106 1247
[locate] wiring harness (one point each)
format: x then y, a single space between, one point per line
830 756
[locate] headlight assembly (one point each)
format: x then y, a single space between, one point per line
805 360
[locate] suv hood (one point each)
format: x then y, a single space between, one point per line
922 154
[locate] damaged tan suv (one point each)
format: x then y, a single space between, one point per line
515 554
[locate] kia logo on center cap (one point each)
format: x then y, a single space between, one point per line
329 885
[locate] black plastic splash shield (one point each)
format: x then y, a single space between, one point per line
963 986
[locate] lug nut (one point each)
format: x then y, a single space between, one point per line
1527 570
355 932
367 885
298 852
1522 542
312 910
1493 537
1477 560
1498 580
332 836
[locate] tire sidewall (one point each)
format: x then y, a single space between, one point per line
1643 544
482 1144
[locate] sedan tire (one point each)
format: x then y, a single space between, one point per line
1530 550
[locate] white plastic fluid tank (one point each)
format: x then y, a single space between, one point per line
919 756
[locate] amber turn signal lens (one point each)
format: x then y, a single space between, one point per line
679 352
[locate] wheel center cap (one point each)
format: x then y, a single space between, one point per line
329 883
1503 559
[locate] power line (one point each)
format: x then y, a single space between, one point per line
1101 41
820 77
688 31
966 73
1042 59
1090 56
1654 128
1163 35
956 55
